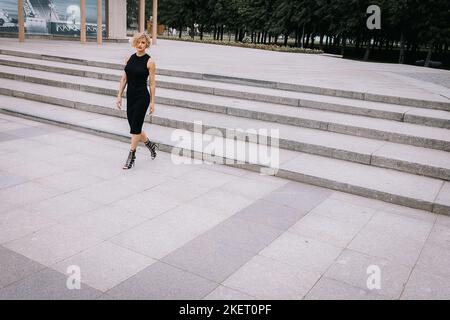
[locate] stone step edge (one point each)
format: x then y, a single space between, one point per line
291 145
281 173
248 81
257 115
302 103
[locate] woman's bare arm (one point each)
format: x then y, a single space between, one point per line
152 77
122 85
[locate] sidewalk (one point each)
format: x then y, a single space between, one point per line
199 231
306 69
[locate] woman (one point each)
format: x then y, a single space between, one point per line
139 67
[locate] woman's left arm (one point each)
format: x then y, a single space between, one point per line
152 77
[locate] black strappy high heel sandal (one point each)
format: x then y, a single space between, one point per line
152 147
130 160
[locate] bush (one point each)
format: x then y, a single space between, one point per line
271 47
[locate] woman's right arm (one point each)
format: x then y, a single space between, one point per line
123 83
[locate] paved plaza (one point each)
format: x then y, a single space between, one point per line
74 225
196 231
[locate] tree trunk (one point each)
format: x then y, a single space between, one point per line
276 39
401 57
215 32
367 53
321 42
181 31
270 38
296 35
201 32
265 37
236 35
344 46
313 38
286 36
430 51
221 32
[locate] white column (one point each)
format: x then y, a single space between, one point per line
21 21
117 19
83 21
99 22
155 22
141 15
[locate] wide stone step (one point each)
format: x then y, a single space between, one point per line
63 75
442 104
421 161
378 183
393 131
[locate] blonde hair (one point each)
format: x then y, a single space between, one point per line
138 36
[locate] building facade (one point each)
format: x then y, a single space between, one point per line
104 19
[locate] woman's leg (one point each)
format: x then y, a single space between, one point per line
144 136
135 138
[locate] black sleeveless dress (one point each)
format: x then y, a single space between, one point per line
138 97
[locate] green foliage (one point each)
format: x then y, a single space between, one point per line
417 22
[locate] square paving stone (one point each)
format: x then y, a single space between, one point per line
33 131
30 192
423 285
161 281
221 202
440 236
207 178
210 259
271 214
329 289
351 267
345 212
39 169
302 252
7 179
388 245
243 234
19 223
180 190
104 222
47 285
379 205
14 267
249 188
53 244
417 230
7 137
435 259
325 229
225 293
69 180
105 192
148 204
298 196
265 278
106 265
62 207
168 231
443 220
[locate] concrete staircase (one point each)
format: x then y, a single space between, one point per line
388 148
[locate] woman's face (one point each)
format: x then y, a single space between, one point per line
141 45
